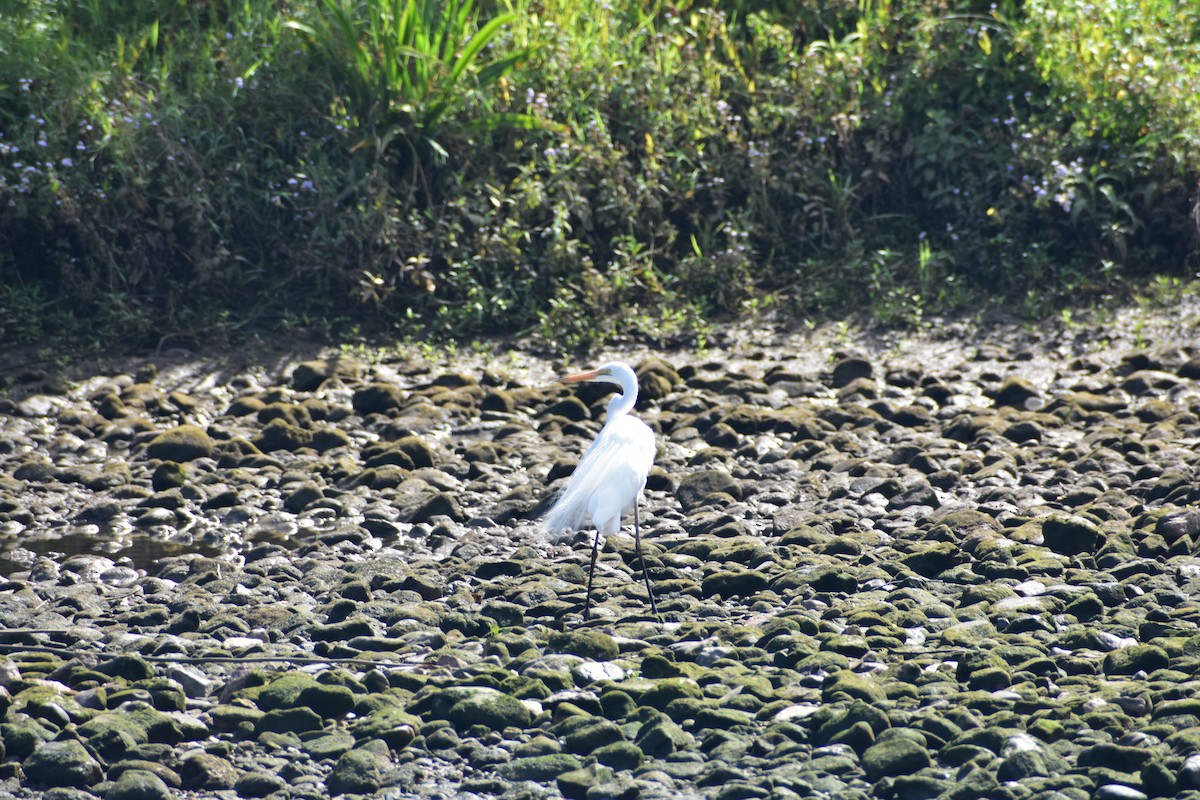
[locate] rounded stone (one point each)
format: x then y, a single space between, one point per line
181 443
62 763
491 708
695 487
539 768
136 784
358 771
592 645
1071 535
1134 659
201 770
258 783
329 702
850 369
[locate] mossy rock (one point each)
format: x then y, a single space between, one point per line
229 718
390 724
328 702
168 475
932 559
583 734
199 770
1071 535
619 755
377 398
417 449
288 720
358 771
695 487
280 435
309 375
1138 658
658 693
143 723
734 583
325 438
661 737
282 692
858 724
491 708
540 769
181 443
592 645
138 784
291 413
894 756
62 763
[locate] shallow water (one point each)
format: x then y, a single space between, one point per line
143 551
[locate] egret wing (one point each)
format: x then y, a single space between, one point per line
608 478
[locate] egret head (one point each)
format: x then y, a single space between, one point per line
614 372
606 373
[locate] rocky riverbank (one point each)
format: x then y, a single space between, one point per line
958 563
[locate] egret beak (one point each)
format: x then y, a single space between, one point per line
582 376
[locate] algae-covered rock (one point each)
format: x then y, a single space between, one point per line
660 737
592 645
393 725
583 734
894 756
358 771
199 770
1137 658
62 763
258 783
1071 535
138 784
541 768
181 443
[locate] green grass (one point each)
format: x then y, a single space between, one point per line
459 168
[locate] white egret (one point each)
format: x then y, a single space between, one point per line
611 475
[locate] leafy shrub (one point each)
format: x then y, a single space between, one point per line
585 172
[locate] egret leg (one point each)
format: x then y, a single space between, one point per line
637 545
587 604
